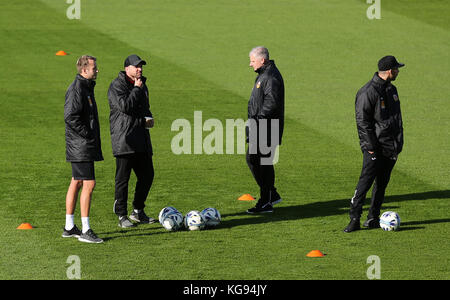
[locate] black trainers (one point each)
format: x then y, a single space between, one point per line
261 208
124 222
90 237
275 198
74 232
353 225
141 217
372 223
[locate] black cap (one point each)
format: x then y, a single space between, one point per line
388 62
133 60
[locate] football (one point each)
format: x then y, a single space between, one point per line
164 212
211 216
390 221
194 220
172 221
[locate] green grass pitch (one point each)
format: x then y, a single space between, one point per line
197 53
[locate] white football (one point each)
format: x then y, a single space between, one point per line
211 216
390 221
194 220
172 221
165 211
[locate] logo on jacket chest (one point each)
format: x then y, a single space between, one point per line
90 101
395 97
258 84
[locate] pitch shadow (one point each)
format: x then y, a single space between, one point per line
140 230
329 208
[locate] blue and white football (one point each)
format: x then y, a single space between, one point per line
165 211
390 221
194 220
172 221
211 216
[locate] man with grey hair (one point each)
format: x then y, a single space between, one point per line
265 127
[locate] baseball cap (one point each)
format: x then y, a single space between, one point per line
133 60
388 62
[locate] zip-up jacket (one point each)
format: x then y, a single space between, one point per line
379 118
81 122
129 105
267 99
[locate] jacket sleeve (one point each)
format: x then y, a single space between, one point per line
272 98
365 122
73 109
147 111
121 99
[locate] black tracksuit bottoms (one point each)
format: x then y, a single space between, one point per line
378 168
264 175
142 165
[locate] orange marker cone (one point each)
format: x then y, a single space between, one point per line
315 253
61 53
25 226
246 197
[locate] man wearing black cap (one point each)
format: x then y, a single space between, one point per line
130 118
380 130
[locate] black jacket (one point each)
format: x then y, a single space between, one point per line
81 118
378 117
267 98
129 106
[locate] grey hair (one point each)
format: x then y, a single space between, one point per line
260 52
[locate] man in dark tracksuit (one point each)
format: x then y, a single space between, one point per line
130 119
265 127
380 130
83 146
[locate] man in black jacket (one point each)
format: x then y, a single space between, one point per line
265 127
130 118
83 146
380 130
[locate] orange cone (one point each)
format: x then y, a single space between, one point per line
25 226
61 53
246 197
315 253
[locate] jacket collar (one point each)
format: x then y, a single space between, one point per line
265 67
378 81
86 82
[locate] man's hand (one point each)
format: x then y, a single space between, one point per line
138 82
149 122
